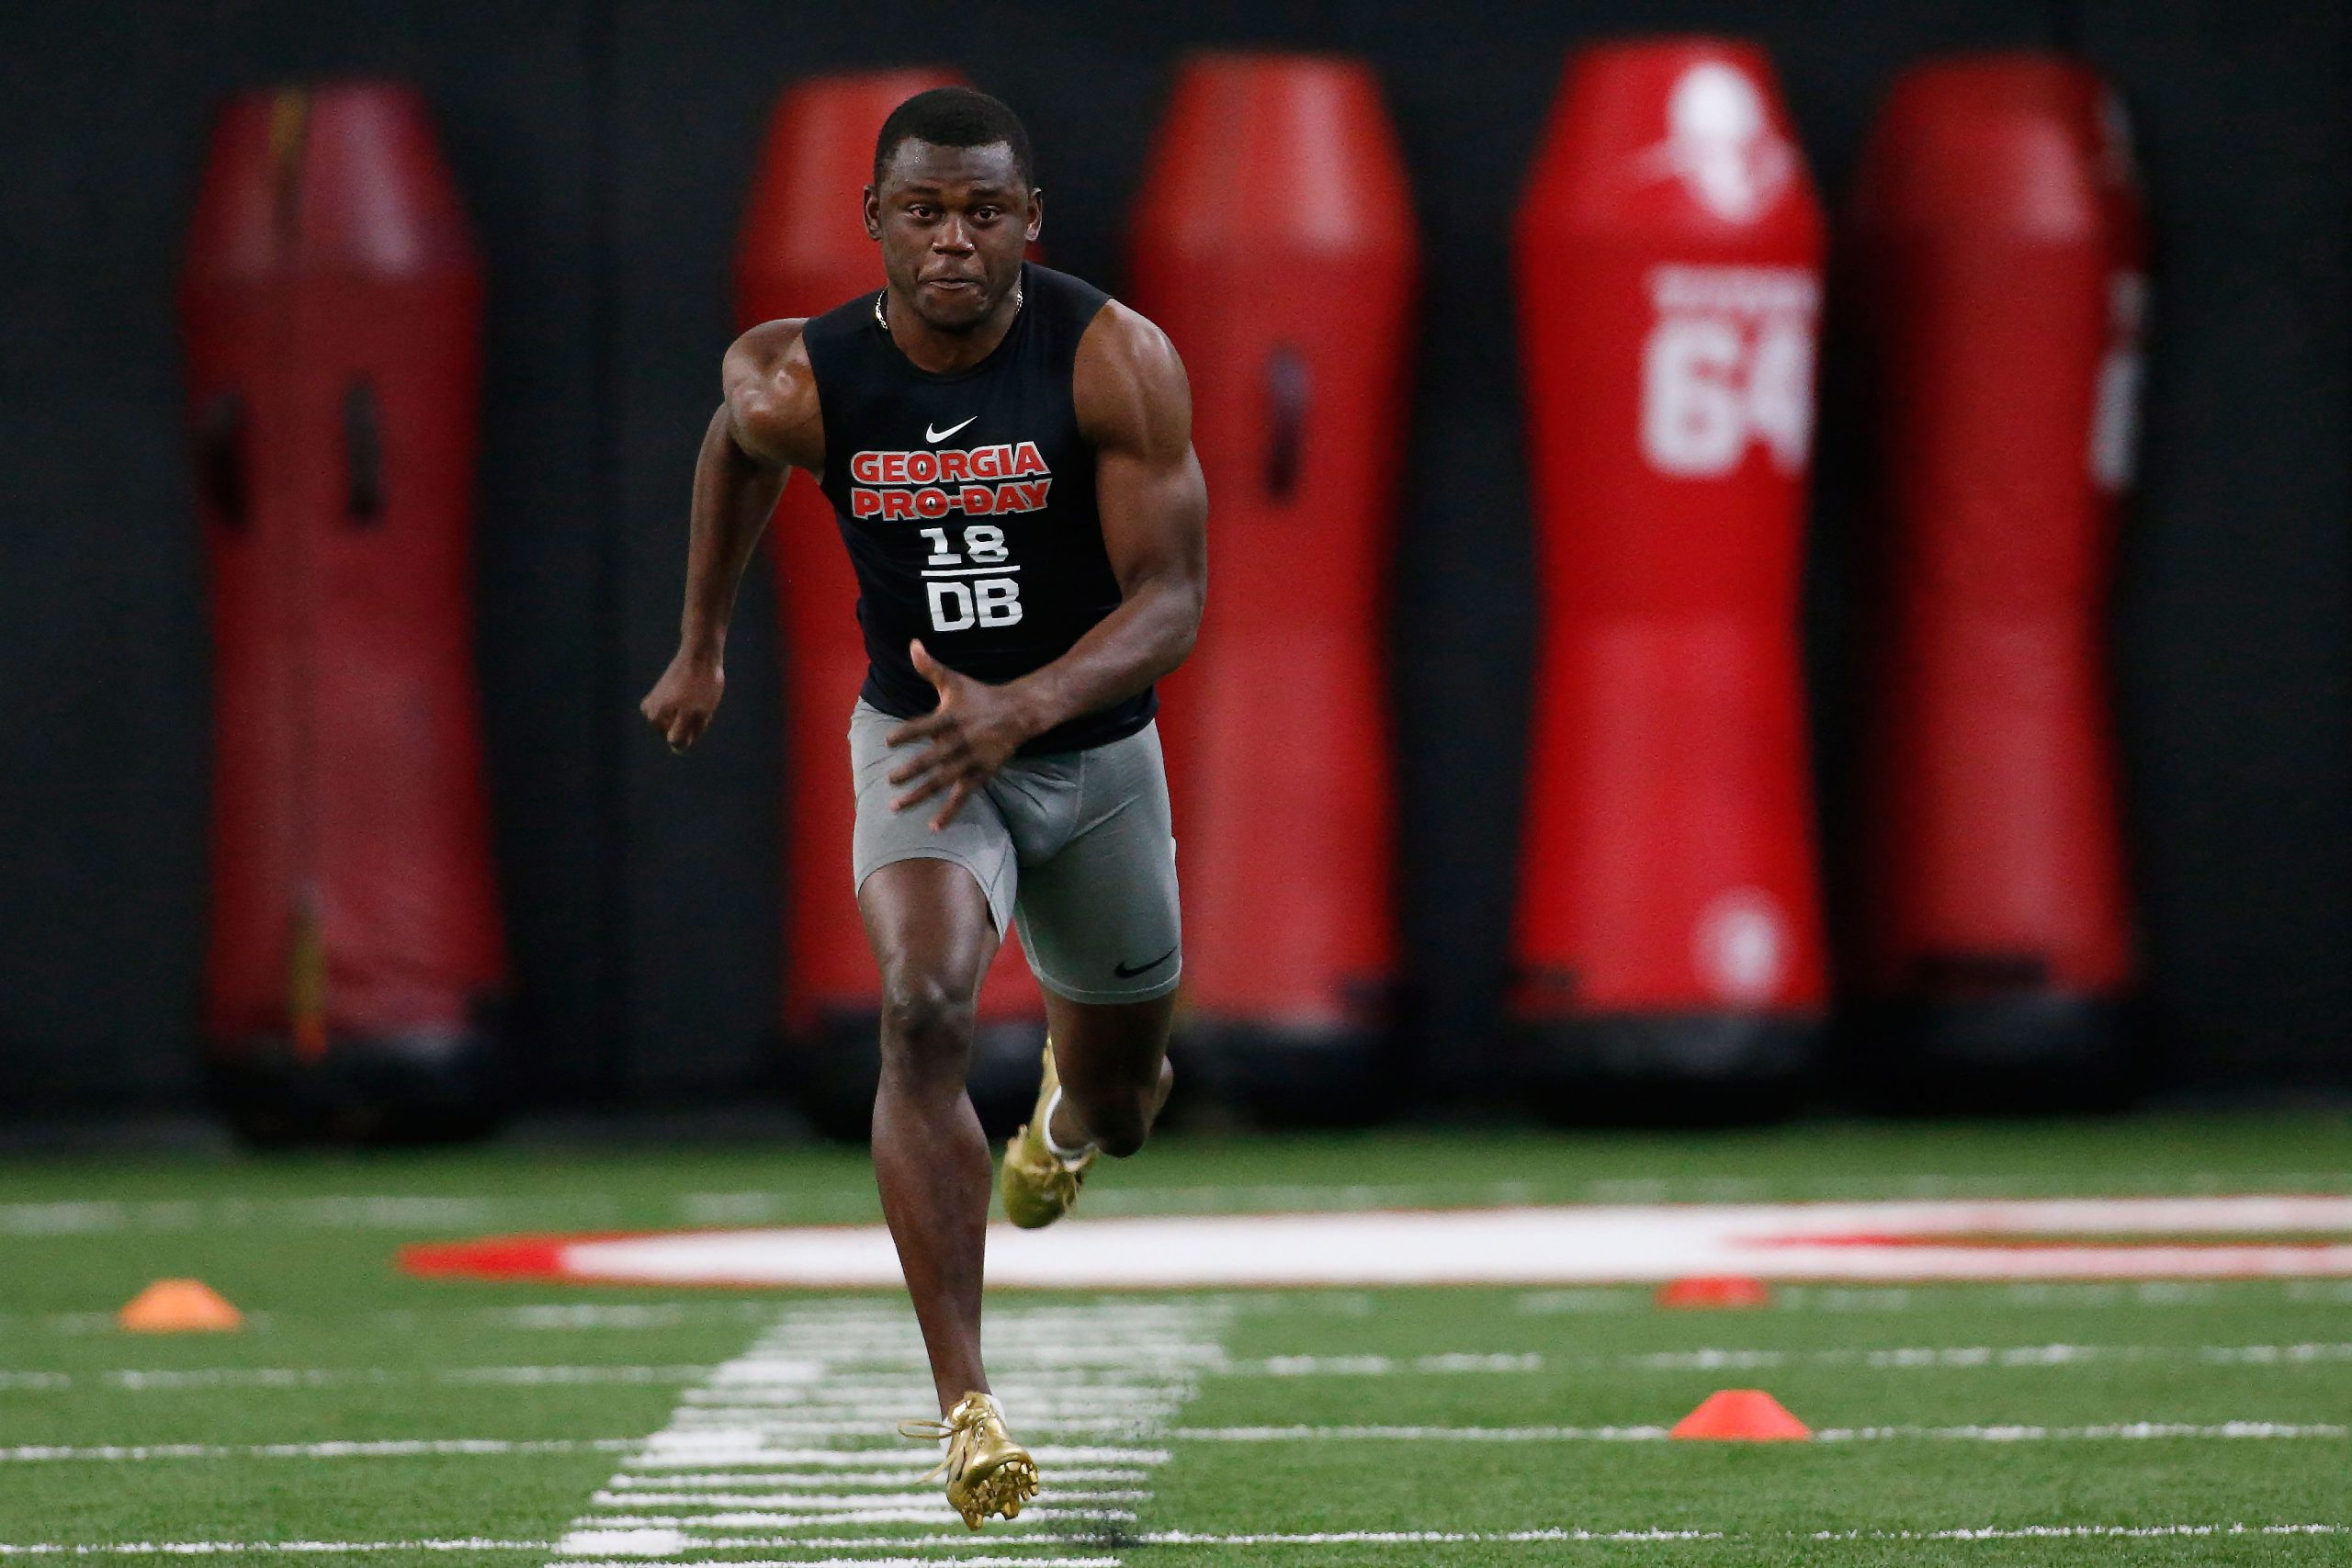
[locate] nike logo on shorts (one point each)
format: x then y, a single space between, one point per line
931 434
1121 970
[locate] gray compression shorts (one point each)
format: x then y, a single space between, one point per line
1074 847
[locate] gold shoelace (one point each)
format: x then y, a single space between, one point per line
931 1431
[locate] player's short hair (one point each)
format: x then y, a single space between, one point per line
955 116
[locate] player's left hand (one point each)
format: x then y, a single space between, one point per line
972 732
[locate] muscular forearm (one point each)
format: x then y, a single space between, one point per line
1148 636
734 495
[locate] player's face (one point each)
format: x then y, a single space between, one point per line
953 223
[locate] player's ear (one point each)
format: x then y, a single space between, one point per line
1036 215
872 213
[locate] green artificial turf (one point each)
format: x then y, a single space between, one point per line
341 1346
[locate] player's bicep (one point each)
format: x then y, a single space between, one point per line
1137 407
1154 514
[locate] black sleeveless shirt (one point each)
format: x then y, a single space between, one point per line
966 501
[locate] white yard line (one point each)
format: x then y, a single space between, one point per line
2068 1533
176 1379
1025 1561
410 1212
358 1212
1644 1434
657 1483
388 1447
1913 1358
2020 1532
687 1458
591 1316
937 1544
1634 1434
1324 1196
801 1501
1077 1391
662 1314
795 1435
2125 1430
240 1548
755 1448
1654 1534
2071 1296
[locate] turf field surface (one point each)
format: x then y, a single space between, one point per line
367 1416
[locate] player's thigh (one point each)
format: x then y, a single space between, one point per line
928 923
934 901
1100 918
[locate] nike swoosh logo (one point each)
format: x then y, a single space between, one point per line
931 434
1124 972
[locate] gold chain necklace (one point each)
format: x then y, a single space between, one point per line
1019 299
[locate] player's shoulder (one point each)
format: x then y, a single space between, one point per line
1123 342
772 391
1129 383
769 344
1119 328
772 354
1101 324
795 338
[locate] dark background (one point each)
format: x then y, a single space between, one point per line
605 148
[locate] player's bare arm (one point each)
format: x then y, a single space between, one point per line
1135 405
767 425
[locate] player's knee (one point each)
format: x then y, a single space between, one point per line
925 1023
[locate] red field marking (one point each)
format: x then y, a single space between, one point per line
1700 1291
496 1258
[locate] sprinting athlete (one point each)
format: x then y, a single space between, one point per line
1009 455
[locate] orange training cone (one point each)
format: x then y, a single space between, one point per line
179 1306
1742 1416
1714 1291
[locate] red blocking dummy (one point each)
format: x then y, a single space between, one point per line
330 303
1999 251
804 250
1669 256
1274 244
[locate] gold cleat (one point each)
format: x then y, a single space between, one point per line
1039 1185
987 1471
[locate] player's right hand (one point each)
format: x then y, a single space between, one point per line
681 703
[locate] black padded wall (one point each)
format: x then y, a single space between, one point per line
103 677
604 147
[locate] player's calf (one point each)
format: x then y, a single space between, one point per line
1116 1117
